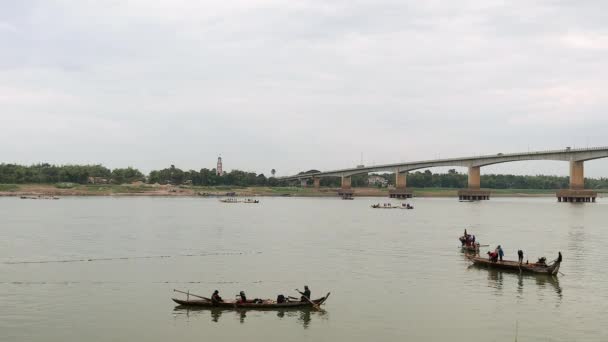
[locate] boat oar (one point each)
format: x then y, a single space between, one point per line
314 305
193 295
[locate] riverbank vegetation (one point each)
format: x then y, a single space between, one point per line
69 176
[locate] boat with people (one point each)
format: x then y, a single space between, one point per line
235 200
468 243
391 206
281 302
541 266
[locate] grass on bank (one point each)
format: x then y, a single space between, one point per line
9 187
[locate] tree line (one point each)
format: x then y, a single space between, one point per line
454 179
81 174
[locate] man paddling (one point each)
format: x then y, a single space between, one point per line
306 294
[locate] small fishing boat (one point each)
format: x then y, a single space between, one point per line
384 206
258 304
249 200
472 248
537 267
229 200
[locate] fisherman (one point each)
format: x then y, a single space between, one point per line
520 256
243 297
493 256
215 298
305 294
280 299
559 258
500 252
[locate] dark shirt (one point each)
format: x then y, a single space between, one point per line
306 294
215 298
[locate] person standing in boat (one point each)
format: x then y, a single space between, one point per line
500 252
215 298
304 294
520 256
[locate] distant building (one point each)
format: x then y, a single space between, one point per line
377 180
218 170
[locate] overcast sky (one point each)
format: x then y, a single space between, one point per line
295 85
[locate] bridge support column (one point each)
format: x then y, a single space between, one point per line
474 177
345 190
345 182
474 192
400 187
317 182
577 192
303 183
577 175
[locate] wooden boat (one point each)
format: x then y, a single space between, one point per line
229 200
263 304
471 248
378 206
542 268
251 201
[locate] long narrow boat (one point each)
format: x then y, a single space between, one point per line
542 268
265 304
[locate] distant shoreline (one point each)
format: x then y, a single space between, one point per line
222 191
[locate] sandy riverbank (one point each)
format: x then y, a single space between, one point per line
168 190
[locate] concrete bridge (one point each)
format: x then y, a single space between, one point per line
575 157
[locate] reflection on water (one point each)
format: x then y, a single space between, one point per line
302 315
495 279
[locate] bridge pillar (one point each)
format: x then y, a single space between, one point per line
317 182
400 180
345 190
400 187
345 182
577 192
303 183
474 177
577 175
474 192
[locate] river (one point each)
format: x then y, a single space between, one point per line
104 269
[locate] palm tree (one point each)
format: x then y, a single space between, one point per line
273 172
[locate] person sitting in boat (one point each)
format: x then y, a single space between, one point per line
493 256
215 298
463 241
243 298
542 261
280 299
305 294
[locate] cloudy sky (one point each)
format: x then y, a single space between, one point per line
295 85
